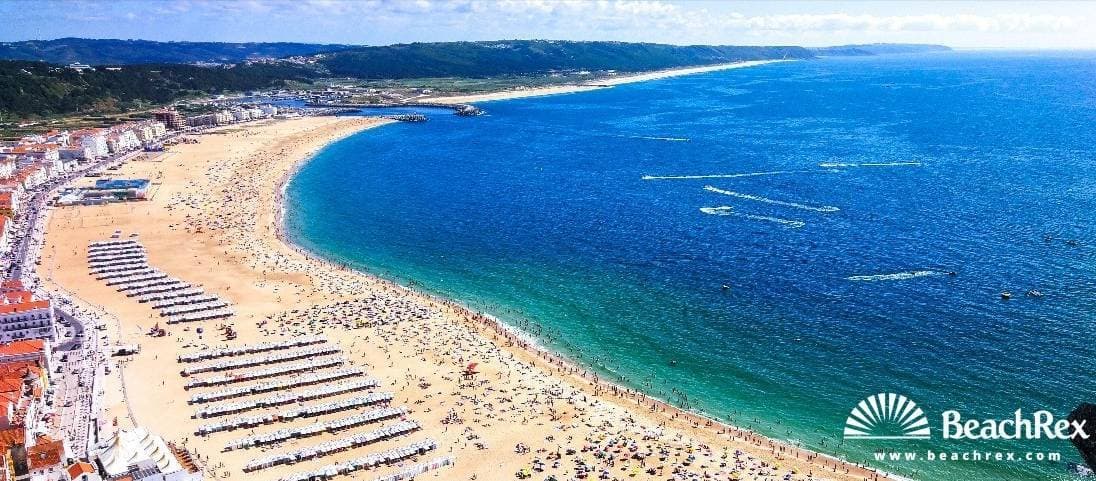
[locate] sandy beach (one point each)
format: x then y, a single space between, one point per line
213 220
591 85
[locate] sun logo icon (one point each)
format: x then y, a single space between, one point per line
886 416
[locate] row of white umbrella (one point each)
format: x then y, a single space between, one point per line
99 246
284 398
367 462
277 357
130 277
282 370
118 260
183 299
171 294
250 349
316 429
131 265
302 412
125 251
306 380
154 289
413 471
333 446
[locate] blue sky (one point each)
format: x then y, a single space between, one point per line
378 22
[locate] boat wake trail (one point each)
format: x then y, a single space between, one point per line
824 208
897 276
666 139
721 176
729 211
830 165
724 210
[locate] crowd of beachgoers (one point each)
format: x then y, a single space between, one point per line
496 405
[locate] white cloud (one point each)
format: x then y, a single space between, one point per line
902 23
668 21
613 14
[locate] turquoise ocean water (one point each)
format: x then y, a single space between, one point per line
868 181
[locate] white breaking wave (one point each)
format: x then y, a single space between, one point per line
869 164
824 208
728 210
897 276
720 176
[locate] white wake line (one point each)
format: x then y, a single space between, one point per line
897 276
722 176
728 210
869 164
827 165
824 208
667 139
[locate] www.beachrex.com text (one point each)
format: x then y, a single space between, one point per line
968 456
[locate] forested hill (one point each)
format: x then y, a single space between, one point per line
31 89
118 52
139 73
518 57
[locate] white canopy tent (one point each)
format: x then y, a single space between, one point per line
129 447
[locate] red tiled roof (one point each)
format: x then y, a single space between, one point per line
44 455
79 469
12 297
12 436
22 347
24 306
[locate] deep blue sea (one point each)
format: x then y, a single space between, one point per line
606 224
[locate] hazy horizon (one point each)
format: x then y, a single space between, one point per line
960 25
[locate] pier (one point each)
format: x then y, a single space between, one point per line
463 110
407 117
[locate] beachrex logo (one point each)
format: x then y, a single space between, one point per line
894 416
886 416
1042 425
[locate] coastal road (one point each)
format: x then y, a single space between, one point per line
77 381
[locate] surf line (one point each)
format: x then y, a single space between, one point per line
729 211
722 176
824 208
897 276
829 165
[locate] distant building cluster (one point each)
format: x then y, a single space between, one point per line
177 121
35 159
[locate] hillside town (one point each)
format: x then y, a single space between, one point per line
53 354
